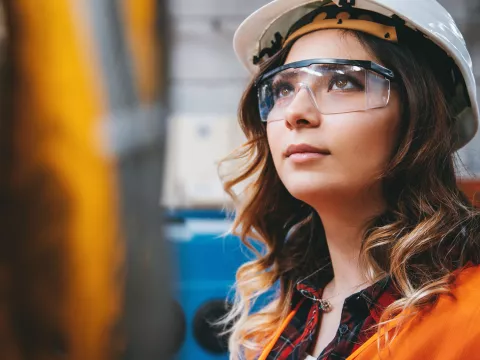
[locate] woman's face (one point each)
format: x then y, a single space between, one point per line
359 144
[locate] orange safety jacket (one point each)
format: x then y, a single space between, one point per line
448 330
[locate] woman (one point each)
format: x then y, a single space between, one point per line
352 120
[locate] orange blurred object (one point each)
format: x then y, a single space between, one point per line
140 20
471 188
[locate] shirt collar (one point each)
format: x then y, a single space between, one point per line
375 297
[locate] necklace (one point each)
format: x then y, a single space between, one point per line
324 304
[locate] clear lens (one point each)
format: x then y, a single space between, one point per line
332 88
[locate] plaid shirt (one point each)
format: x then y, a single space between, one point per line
360 312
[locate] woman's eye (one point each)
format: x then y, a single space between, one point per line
282 91
343 83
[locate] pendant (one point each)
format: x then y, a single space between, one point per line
325 305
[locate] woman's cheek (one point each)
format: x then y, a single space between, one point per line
275 142
362 146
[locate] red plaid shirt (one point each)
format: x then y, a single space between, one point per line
360 312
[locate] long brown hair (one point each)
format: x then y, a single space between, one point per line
428 230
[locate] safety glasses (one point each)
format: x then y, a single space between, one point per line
333 86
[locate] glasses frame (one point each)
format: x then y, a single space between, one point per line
367 65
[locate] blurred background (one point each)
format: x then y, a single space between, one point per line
115 115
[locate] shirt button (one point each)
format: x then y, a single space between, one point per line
343 329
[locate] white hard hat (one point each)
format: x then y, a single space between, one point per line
272 22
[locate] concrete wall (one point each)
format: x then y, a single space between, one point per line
205 76
206 83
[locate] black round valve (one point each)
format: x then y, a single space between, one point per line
205 332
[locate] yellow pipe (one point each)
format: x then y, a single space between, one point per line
140 18
71 215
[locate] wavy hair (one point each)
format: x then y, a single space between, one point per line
428 230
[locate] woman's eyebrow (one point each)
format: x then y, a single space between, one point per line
288 75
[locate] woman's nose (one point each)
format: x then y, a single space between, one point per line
303 110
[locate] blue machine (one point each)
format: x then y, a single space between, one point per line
206 263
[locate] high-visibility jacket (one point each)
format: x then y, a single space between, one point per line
450 329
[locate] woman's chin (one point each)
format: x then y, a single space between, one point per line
312 191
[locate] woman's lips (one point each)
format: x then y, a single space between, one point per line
300 153
306 156
304 152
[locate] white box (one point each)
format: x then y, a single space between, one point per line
195 145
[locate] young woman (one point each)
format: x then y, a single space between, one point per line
352 118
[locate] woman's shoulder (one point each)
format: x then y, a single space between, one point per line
466 286
461 307
464 301
449 328
453 312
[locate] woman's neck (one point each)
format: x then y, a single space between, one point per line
345 224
